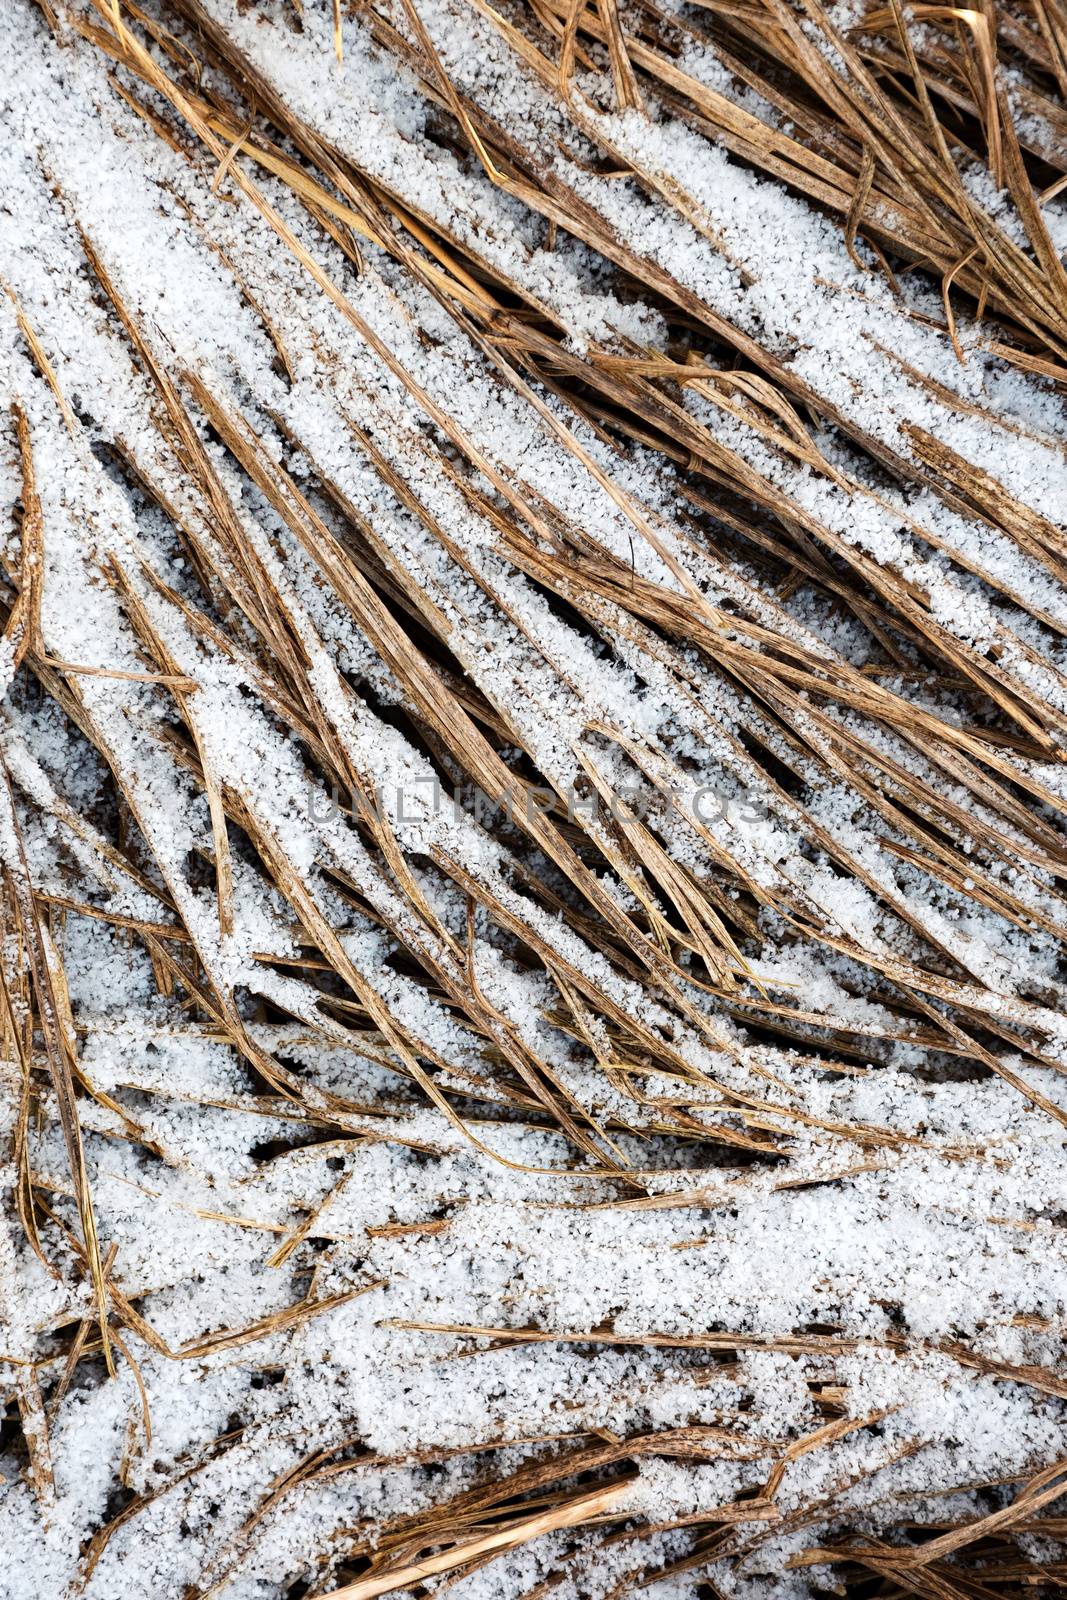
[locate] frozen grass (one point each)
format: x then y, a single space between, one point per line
531 821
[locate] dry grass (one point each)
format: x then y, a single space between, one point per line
876 141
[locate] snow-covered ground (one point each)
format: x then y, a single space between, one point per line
533 990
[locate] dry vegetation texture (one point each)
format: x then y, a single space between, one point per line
533 762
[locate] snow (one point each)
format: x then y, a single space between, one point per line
452 1144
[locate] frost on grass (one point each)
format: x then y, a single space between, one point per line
531 802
